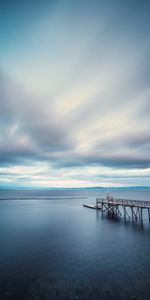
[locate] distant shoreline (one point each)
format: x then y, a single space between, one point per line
77 188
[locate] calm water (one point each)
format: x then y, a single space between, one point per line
53 248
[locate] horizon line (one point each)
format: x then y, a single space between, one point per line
74 188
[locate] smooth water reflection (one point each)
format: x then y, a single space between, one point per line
56 249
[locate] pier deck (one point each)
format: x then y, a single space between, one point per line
131 209
92 206
124 202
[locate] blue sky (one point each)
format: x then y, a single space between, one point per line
74 93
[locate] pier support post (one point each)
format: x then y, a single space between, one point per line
149 214
124 212
96 203
132 212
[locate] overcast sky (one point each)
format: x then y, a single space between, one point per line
74 93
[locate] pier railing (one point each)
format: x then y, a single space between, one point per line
124 202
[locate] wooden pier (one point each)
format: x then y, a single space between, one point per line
128 209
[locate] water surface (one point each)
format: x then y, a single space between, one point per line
54 248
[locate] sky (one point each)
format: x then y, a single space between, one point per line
74 93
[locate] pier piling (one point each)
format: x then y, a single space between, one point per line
132 209
113 206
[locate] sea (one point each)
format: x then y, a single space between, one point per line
53 248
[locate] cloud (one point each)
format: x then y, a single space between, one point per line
77 96
29 127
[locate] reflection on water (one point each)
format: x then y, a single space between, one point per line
57 249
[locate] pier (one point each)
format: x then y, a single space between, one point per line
90 206
128 209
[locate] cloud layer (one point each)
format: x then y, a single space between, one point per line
74 102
